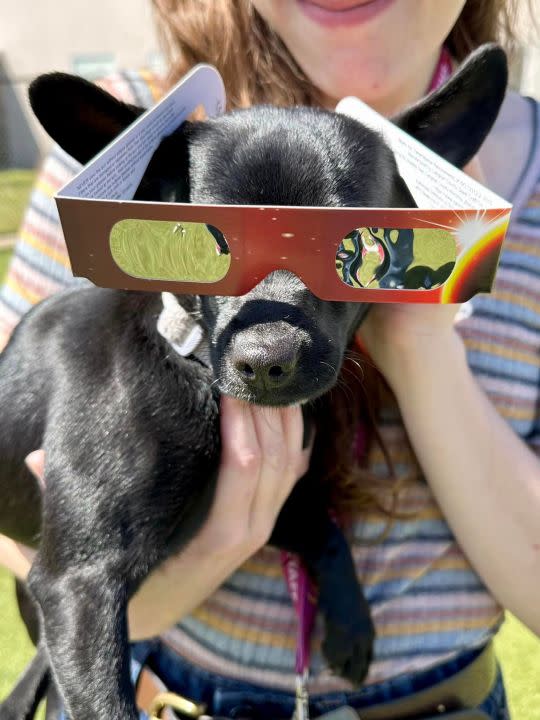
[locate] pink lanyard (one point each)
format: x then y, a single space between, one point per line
302 592
303 596
442 71
301 589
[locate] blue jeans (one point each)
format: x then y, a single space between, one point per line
234 698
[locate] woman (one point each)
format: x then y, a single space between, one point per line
436 594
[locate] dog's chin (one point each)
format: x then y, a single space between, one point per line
288 396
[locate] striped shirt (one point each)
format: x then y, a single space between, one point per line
427 602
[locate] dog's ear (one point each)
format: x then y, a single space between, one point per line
455 120
81 117
167 176
402 197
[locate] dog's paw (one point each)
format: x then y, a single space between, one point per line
349 649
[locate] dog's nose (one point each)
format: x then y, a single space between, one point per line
262 365
264 374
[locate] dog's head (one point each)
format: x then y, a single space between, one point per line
279 344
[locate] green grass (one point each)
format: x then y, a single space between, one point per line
4 261
519 652
518 649
15 646
15 187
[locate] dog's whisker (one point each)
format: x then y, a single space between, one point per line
360 368
357 376
322 362
356 357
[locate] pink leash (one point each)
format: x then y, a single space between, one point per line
302 592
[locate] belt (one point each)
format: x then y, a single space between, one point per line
456 696
466 689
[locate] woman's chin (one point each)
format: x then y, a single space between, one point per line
344 80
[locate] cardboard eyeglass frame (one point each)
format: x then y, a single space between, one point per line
303 240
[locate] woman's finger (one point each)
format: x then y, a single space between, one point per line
17 558
240 457
293 426
226 529
278 469
240 443
268 422
269 427
35 462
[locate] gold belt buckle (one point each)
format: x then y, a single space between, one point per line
168 700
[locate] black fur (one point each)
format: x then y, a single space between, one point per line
130 429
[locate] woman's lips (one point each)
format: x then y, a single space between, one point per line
340 5
333 13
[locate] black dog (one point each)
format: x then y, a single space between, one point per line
127 425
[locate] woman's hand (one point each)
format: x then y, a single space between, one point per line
395 335
262 458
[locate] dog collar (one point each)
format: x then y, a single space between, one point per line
181 331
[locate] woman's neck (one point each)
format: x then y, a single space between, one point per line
401 97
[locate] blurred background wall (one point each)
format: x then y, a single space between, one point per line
87 37
95 37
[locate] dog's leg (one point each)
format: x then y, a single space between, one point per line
53 708
85 630
349 630
27 611
22 702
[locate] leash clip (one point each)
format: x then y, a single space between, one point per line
301 711
186 708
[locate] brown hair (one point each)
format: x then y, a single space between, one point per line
257 68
